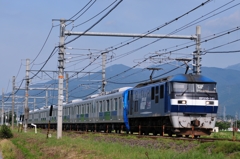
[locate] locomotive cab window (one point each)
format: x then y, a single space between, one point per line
193 87
183 87
206 87
136 106
161 91
157 88
152 93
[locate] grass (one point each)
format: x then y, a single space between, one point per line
96 146
8 149
225 135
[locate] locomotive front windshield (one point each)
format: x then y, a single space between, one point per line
193 87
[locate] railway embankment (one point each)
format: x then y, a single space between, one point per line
112 146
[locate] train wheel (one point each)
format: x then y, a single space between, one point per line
161 133
170 134
196 136
154 132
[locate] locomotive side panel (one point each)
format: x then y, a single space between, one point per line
147 101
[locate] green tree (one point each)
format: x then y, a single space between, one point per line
222 125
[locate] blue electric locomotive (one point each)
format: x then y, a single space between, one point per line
183 104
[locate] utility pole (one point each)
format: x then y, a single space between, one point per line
17 115
34 104
8 117
46 97
13 93
67 81
26 109
103 72
2 106
60 77
197 53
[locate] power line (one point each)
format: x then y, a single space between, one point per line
174 51
95 23
223 52
42 46
80 10
83 12
148 31
208 50
44 63
186 26
147 80
87 94
95 15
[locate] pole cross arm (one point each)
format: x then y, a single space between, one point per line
191 37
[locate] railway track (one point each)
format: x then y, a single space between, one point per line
201 139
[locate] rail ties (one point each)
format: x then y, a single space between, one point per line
200 140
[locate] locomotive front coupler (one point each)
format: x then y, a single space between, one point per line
195 122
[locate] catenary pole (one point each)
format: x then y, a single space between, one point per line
2 106
34 103
13 96
46 97
197 53
26 109
60 78
103 72
67 82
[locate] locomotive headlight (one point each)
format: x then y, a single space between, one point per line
182 102
209 102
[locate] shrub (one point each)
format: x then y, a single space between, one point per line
5 132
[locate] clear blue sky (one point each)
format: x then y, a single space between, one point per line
26 24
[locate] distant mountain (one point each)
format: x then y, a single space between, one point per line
234 67
228 83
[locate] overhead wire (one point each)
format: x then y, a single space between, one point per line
80 10
84 11
95 15
236 29
167 23
53 49
181 28
43 45
233 51
147 79
94 23
147 33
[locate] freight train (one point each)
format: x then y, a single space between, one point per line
183 104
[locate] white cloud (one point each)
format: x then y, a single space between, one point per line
110 22
227 21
